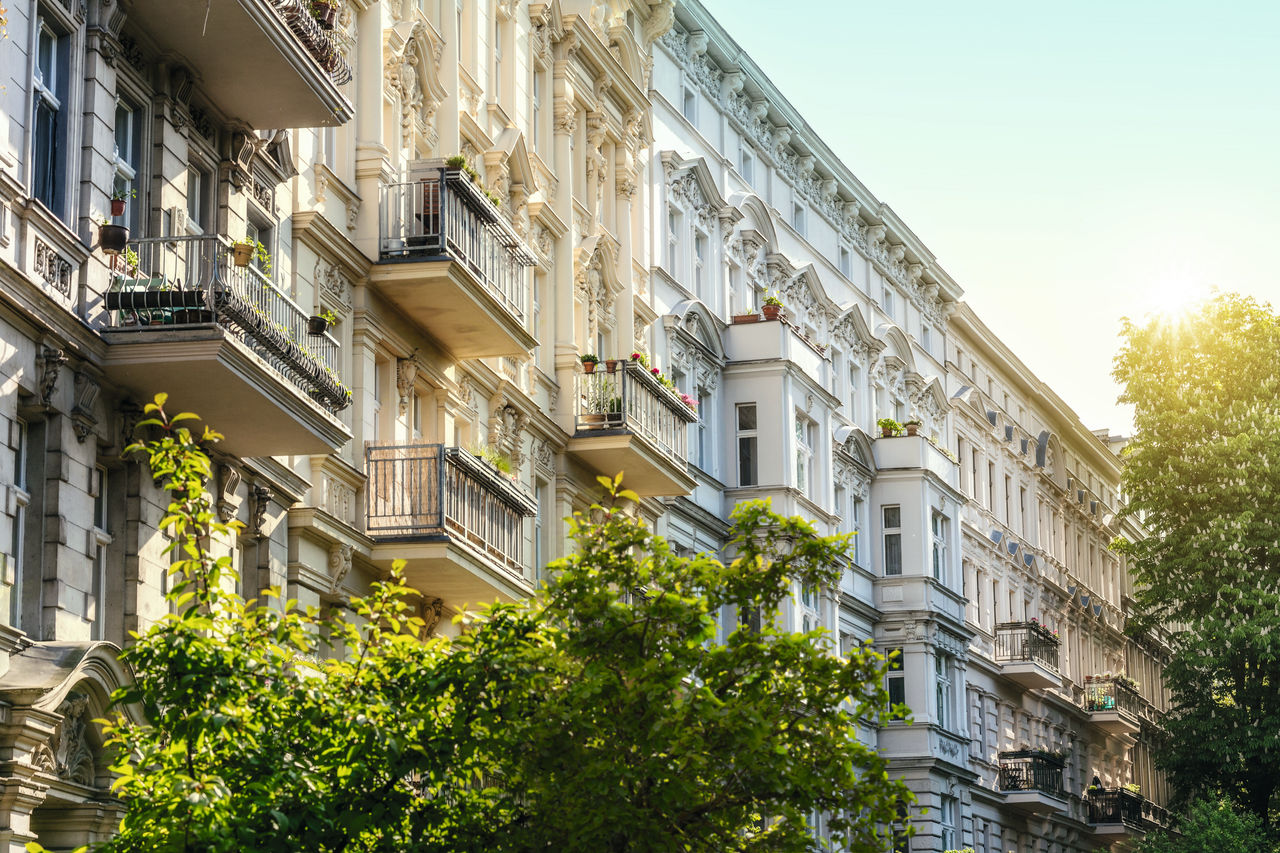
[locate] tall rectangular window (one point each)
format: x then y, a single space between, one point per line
938 526
891 517
702 436
947 820
887 302
798 218
860 549
536 112
804 454
673 242
699 265
128 162
49 120
943 689
13 576
199 199
95 605
689 105
747 447
747 165
896 681
846 262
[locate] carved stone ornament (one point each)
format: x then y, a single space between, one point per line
52 268
51 360
339 565
86 396
261 503
229 481
332 283
432 612
406 374
67 754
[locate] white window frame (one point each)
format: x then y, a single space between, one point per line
804 432
799 218
45 85
746 164
891 538
944 690
17 542
751 436
95 611
701 248
845 261
938 531
689 105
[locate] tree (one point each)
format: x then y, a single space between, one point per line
1202 474
605 714
1211 826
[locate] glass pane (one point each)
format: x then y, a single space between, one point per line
746 417
747 461
893 554
892 516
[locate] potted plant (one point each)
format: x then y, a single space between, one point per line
745 318
245 252
318 324
889 427
112 238
611 364
118 197
589 362
325 12
772 307
913 426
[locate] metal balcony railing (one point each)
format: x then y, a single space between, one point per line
180 281
429 491
1030 770
630 399
1114 805
1111 693
322 44
442 214
1026 641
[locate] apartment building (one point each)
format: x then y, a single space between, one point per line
982 554
370 243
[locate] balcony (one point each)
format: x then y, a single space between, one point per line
1031 781
1115 812
1028 654
224 343
457 521
267 62
452 264
1113 704
628 422
915 451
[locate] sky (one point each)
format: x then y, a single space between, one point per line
1068 164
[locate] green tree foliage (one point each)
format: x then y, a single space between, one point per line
1212 826
606 714
1203 475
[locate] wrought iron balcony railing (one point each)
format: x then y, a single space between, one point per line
1114 805
1031 770
321 43
1112 693
429 491
1026 641
630 399
442 214
183 281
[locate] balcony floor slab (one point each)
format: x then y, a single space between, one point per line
453 306
1116 722
453 571
1030 674
1035 802
644 470
206 371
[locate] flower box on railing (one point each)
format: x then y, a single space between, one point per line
511 490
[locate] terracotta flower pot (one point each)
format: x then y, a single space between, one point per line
611 365
772 312
242 253
912 429
746 318
117 207
317 325
588 367
886 432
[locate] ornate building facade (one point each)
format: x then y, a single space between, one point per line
371 245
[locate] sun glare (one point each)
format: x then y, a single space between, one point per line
1172 298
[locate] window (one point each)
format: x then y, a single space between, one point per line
747 473
888 302
809 616
255 233
804 454
1008 495
128 161
739 302
199 199
797 218
747 164
947 820
855 384
95 609
891 516
702 438
991 486
673 241
699 264
13 574
690 105
942 688
939 529
846 262
926 338
896 680
49 122
497 60
536 112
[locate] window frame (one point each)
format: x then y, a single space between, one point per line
752 436
891 539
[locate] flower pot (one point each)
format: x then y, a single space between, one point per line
317 325
112 238
611 365
117 207
886 432
912 429
588 367
326 15
746 318
772 312
242 253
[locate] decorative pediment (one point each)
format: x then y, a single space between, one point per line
691 185
849 330
808 302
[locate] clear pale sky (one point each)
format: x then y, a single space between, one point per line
1069 164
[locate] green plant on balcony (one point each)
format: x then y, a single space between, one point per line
495 458
244 252
889 427
773 301
1133 787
